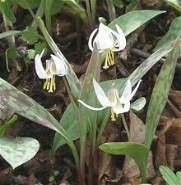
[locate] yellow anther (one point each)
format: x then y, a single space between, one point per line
113 115
50 84
109 61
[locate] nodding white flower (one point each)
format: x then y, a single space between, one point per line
54 66
118 104
107 41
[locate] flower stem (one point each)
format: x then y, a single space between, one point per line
126 127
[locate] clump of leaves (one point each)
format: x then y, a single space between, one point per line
170 177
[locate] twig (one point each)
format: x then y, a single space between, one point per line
146 55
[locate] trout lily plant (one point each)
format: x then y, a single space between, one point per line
92 124
54 66
107 41
117 104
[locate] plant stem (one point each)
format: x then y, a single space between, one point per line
11 39
111 10
126 127
102 128
39 13
48 5
88 7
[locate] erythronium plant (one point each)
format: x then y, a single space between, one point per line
118 104
54 66
108 41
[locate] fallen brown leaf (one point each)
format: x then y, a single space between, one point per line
176 98
107 166
160 155
130 169
174 132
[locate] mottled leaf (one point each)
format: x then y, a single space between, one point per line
133 20
172 34
160 94
19 150
146 65
27 107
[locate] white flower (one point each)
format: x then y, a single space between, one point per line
54 66
118 105
107 41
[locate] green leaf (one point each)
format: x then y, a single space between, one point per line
145 66
77 8
31 53
48 5
25 106
10 33
32 3
7 11
132 5
172 34
30 35
57 5
137 151
39 47
168 175
178 174
175 4
160 94
118 3
10 53
133 20
19 150
70 124
138 104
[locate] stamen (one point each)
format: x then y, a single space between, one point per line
109 61
113 115
50 84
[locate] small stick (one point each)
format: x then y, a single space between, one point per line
146 55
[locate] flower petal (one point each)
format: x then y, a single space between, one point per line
120 44
121 108
126 93
90 107
59 67
41 72
134 91
91 42
101 96
104 38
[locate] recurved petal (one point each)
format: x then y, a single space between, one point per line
126 93
101 96
59 67
40 71
120 42
90 107
91 39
